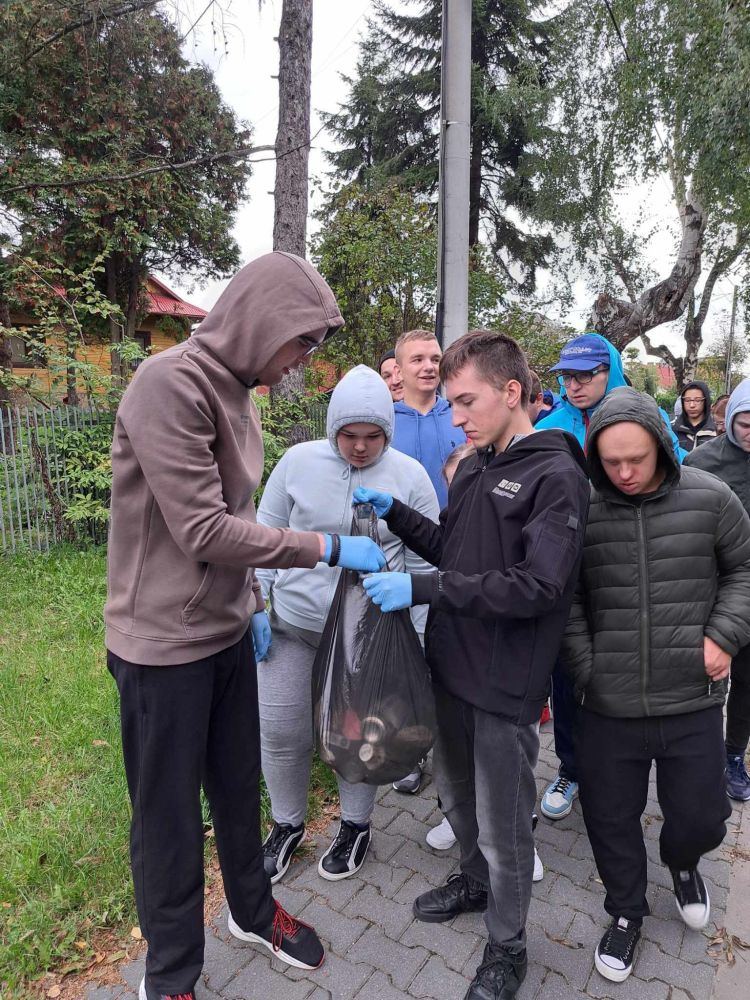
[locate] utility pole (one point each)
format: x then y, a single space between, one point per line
453 203
730 344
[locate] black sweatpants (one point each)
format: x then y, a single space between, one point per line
613 758
183 726
738 704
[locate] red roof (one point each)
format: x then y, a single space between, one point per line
165 302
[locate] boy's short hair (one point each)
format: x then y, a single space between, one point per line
410 335
498 358
536 386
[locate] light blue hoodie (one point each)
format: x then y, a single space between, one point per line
311 490
738 402
568 418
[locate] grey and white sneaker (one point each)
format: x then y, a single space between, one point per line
347 853
279 847
410 783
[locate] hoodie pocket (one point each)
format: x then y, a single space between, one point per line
222 603
209 575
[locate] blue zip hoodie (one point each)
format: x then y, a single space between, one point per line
429 438
568 418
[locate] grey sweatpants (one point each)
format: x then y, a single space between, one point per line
485 778
286 734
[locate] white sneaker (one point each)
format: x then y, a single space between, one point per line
441 837
538 867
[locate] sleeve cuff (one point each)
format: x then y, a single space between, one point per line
423 587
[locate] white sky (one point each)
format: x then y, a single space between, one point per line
245 76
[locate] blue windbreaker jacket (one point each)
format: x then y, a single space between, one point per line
568 418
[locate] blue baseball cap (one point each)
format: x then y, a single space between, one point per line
582 354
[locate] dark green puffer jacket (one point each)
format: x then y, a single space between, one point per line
659 572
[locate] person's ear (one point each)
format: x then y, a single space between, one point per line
514 391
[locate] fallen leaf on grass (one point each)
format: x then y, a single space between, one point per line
81 945
136 933
99 743
53 991
116 957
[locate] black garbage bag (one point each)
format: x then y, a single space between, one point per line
374 711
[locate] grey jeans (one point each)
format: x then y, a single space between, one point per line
485 778
286 734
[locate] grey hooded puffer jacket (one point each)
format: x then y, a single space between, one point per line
659 573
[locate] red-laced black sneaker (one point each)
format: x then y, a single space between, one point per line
290 939
146 992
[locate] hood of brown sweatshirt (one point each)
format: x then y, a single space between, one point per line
187 457
269 302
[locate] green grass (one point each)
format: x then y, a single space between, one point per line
64 811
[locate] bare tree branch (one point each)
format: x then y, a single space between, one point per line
659 351
232 154
622 321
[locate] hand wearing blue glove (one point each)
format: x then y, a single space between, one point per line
391 591
381 502
261 629
354 552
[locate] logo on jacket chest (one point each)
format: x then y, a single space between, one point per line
506 488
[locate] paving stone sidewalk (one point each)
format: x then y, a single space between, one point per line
377 951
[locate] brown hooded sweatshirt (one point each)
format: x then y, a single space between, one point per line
187 456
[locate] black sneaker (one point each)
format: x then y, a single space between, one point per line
460 894
145 992
499 975
347 853
615 953
290 939
279 847
691 897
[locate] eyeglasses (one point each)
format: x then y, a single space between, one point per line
311 344
582 378
690 400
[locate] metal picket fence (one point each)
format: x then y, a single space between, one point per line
39 464
37 446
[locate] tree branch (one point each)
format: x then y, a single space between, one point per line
232 154
660 351
720 266
622 321
122 11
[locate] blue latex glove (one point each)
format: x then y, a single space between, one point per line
391 591
261 629
381 502
357 553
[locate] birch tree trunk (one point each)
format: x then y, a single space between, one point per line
292 152
622 321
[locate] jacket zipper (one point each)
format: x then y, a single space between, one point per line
644 610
